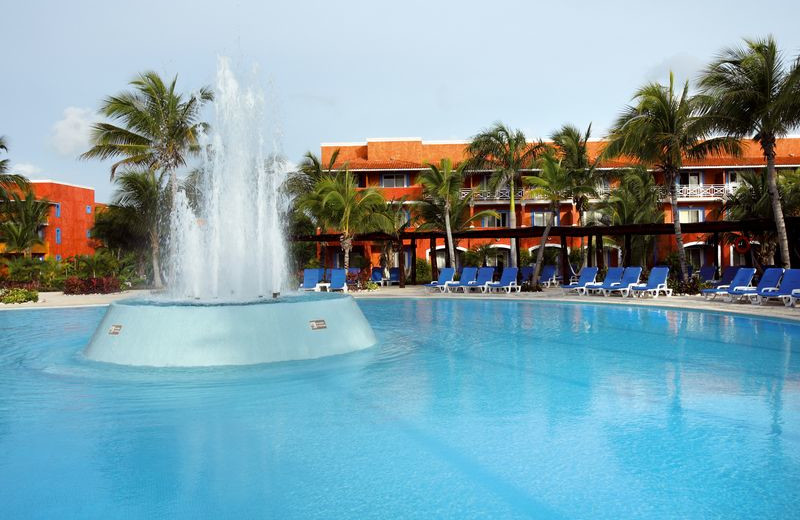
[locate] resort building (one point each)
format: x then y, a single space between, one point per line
71 217
394 163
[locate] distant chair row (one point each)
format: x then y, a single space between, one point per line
736 285
473 278
621 280
314 279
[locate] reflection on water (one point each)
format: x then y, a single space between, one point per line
466 408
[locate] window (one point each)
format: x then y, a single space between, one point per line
690 215
58 209
695 256
88 233
539 218
496 222
690 178
393 180
58 258
58 235
593 217
88 210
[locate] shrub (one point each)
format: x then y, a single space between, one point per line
102 285
692 286
423 270
18 296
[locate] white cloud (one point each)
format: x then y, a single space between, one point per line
70 135
26 169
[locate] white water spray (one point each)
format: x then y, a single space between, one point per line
232 245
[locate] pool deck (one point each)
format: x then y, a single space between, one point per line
773 310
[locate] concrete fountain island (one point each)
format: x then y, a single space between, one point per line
226 261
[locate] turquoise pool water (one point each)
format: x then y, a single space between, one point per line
466 409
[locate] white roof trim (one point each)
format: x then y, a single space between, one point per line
51 181
391 139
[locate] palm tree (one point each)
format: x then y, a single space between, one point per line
750 91
20 229
572 147
444 183
635 201
431 212
399 218
9 180
139 192
310 171
553 184
659 129
347 208
506 152
159 126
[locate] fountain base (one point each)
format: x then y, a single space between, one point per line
180 334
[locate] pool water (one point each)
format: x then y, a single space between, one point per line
465 409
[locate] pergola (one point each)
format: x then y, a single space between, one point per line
592 233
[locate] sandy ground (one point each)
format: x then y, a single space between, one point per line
772 310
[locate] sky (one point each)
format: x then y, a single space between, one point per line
347 71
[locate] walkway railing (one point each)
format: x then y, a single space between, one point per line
709 191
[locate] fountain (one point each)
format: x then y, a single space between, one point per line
229 299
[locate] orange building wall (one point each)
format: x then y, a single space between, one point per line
74 221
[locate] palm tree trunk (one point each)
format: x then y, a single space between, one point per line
347 245
775 196
540 253
512 223
583 238
676 221
448 228
154 251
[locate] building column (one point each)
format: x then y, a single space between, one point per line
599 255
627 258
516 245
565 271
401 260
589 259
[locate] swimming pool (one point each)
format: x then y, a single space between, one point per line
466 408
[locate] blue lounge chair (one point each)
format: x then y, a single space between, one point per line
789 283
587 276
727 276
311 279
742 278
338 280
630 278
467 277
656 283
394 276
507 283
613 277
485 275
769 280
525 274
548 276
377 275
791 301
707 273
445 275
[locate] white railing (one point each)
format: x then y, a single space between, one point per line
708 191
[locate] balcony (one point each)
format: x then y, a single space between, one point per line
702 191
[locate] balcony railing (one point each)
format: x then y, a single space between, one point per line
703 191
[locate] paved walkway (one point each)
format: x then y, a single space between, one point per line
57 299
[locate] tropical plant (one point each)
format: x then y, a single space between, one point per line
444 183
158 127
310 171
399 218
431 213
137 196
751 92
24 218
553 184
659 129
636 200
9 180
572 146
752 200
348 209
506 153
